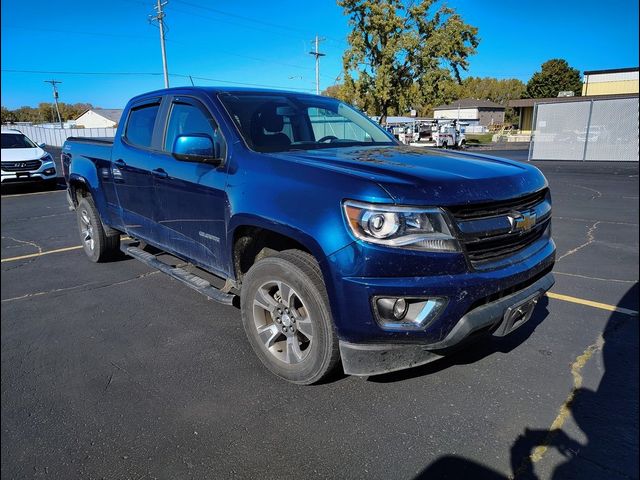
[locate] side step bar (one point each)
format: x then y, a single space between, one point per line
189 279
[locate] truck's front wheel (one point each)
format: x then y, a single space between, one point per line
96 243
286 315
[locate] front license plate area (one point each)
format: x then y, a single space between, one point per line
23 174
517 315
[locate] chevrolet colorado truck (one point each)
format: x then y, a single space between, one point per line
340 245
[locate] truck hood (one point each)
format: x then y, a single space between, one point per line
17 154
421 176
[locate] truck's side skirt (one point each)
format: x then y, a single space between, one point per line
190 280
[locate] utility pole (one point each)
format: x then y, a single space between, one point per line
159 17
55 98
316 53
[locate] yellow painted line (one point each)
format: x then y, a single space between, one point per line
591 303
39 254
48 252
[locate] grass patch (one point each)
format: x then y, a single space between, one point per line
478 138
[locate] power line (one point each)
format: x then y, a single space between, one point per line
242 17
159 17
55 98
179 75
173 42
316 53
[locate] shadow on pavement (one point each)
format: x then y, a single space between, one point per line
608 417
33 187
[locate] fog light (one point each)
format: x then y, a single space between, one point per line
49 171
402 313
400 308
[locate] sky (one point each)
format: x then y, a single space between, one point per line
106 52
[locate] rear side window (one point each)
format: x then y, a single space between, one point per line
187 119
140 125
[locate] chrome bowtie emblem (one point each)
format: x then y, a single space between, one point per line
522 221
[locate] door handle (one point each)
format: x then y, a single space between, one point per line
120 163
159 173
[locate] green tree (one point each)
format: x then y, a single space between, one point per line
402 56
488 88
555 76
7 116
334 91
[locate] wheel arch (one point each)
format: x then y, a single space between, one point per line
250 238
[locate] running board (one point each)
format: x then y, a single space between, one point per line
189 279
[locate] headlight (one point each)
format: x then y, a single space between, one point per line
413 228
46 158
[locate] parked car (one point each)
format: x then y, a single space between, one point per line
348 248
24 161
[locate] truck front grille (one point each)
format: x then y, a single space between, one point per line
487 230
21 166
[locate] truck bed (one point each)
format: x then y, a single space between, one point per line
100 140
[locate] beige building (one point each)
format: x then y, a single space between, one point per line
610 82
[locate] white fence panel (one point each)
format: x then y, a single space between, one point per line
587 130
613 131
56 136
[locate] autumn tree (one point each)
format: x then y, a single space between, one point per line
403 56
555 76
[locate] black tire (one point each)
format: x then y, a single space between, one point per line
301 273
98 246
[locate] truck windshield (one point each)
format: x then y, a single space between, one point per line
16 140
277 122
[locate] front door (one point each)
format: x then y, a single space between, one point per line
132 159
191 199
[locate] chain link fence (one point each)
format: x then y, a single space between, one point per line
589 130
56 137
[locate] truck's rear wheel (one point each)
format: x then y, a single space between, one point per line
96 243
286 315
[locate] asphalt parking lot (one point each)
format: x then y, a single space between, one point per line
116 371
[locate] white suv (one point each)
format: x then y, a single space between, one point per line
24 161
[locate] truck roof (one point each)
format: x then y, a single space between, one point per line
217 89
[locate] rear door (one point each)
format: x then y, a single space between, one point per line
191 199
132 161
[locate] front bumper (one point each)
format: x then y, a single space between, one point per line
38 175
497 317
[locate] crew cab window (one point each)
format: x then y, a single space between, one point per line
187 119
277 122
327 123
140 125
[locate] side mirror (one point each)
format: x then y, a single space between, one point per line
41 145
196 148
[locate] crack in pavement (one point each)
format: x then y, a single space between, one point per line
598 193
594 278
25 242
92 286
590 240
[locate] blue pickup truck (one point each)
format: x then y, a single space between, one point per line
340 246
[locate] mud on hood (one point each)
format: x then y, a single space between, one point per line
425 176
